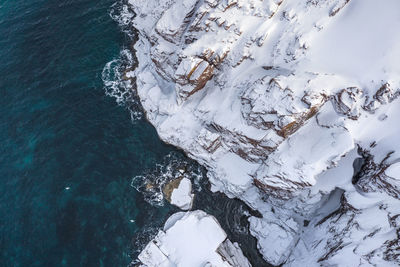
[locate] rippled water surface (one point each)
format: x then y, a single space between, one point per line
76 154
68 151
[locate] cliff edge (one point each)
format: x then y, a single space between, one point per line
292 106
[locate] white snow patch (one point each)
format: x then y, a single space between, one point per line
362 42
182 196
394 171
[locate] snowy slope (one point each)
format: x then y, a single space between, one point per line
293 107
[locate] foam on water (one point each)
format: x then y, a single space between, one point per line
116 83
123 15
231 213
174 166
68 151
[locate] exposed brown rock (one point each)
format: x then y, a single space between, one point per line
171 186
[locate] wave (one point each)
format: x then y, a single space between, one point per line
122 13
115 75
141 239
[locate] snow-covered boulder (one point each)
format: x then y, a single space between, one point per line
182 196
178 191
192 239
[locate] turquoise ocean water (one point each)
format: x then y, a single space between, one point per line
59 130
69 152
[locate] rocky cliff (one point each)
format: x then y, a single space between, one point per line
292 106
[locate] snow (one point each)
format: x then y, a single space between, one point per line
188 239
274 242
172 20
182 196
339 176
362 42
306 154
298 91
394 171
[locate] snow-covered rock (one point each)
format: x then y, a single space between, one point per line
182 196
293 107
192 239
178 191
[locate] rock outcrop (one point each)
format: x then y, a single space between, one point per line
192 239
179 193
278 98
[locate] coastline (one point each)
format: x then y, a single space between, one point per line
299 202
231 213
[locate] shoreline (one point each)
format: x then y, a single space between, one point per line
261 135
250 251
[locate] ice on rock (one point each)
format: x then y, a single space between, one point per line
192 239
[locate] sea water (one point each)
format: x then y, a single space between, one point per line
68 151
76 152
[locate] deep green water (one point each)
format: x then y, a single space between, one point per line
58 129
69 152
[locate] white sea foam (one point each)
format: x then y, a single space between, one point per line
112 75
123 15
119 87
116 84
142 237
152 183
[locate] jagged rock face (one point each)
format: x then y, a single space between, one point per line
273 97
363 226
